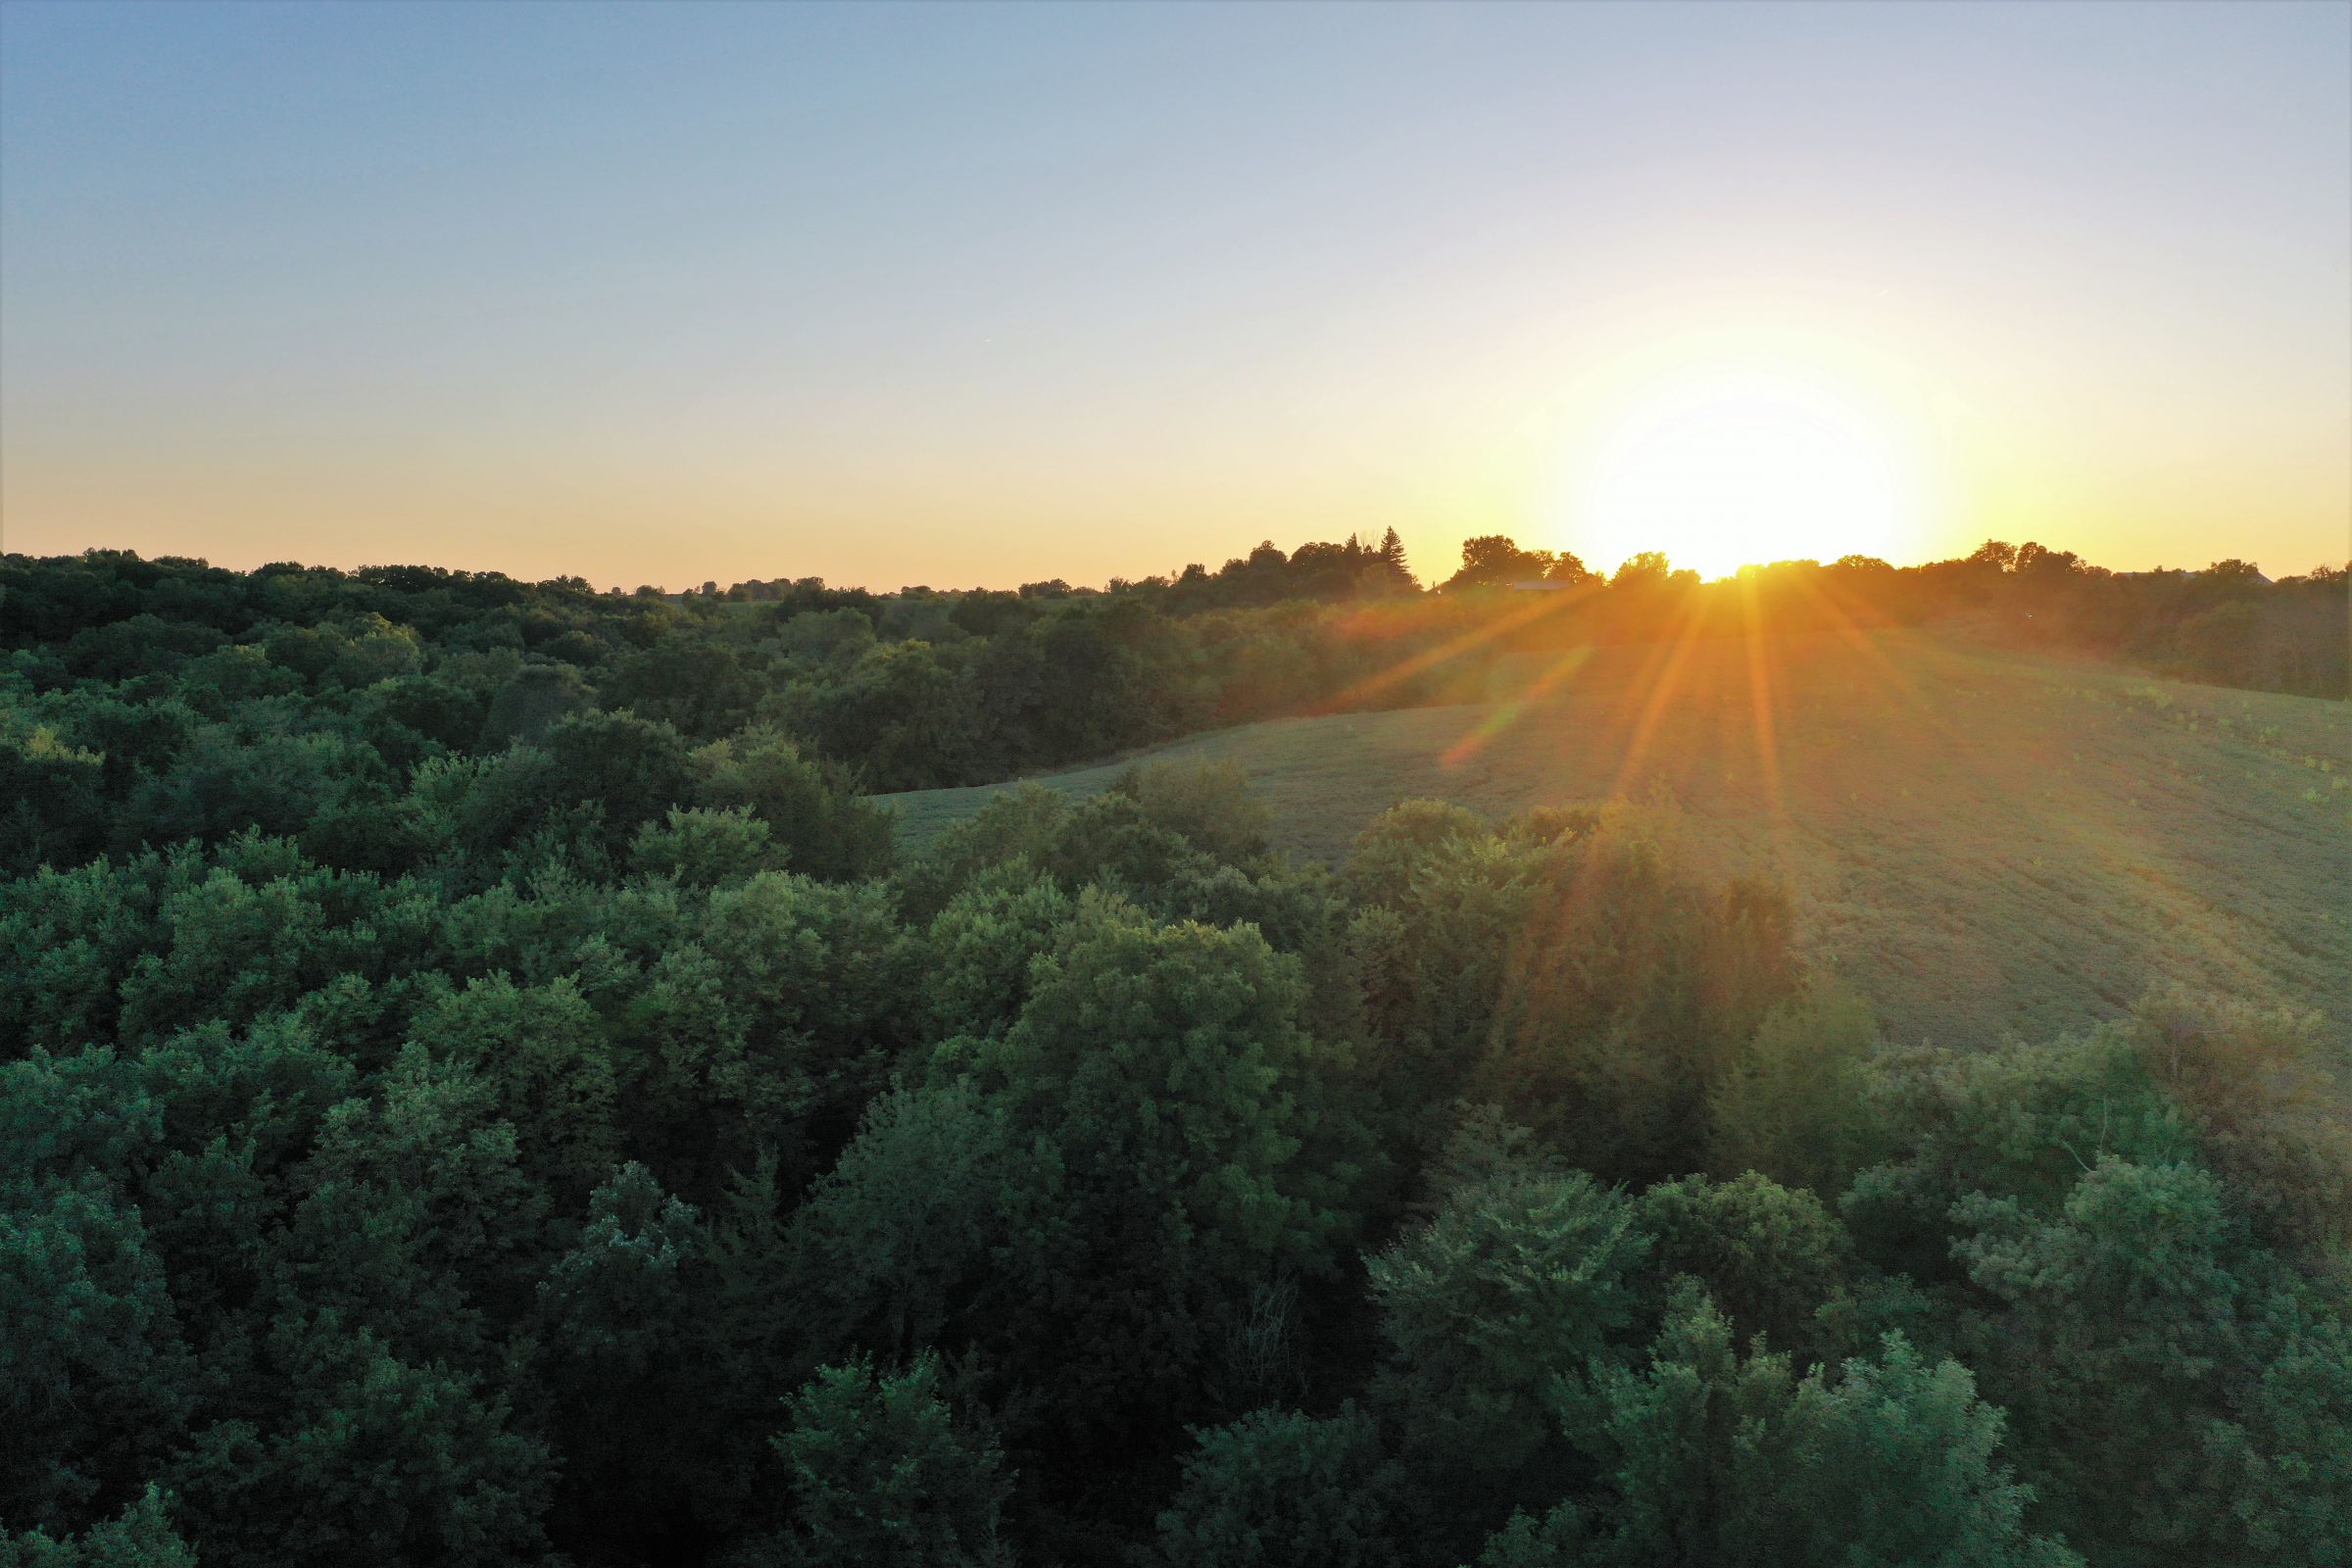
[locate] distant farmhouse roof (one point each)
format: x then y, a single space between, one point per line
1541 587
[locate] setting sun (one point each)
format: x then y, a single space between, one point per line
1750 468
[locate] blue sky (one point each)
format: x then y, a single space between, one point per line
964 293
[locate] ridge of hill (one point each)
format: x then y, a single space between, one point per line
1982 840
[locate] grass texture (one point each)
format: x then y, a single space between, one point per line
1982 841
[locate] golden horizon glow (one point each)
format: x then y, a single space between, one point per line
1016 314
1749 468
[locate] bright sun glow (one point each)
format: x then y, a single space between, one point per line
1749 468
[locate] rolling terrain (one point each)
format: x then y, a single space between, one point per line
1982 840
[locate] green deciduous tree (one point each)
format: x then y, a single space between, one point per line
884 1476
1166 1069
358 1454
812 810
543 1052
926 1230
95 1384
703 847
1792 1102
1522 1275
1279 1489
139 1537
2260 1087
1715 1460
1493 560
1772 1258
2139 1307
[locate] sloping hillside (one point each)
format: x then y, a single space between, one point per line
1982 840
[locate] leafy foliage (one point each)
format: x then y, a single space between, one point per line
478 1084
1281 1487
882 1475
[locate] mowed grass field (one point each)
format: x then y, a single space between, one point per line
1982 841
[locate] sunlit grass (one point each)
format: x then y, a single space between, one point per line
1981 840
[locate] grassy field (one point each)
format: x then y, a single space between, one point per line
1982 840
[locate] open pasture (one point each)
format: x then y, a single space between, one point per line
1982 840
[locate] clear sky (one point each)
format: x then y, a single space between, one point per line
958 295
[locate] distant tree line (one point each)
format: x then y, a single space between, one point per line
158 700
1267 575
2227 624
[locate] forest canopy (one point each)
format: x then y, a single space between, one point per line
481 1083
